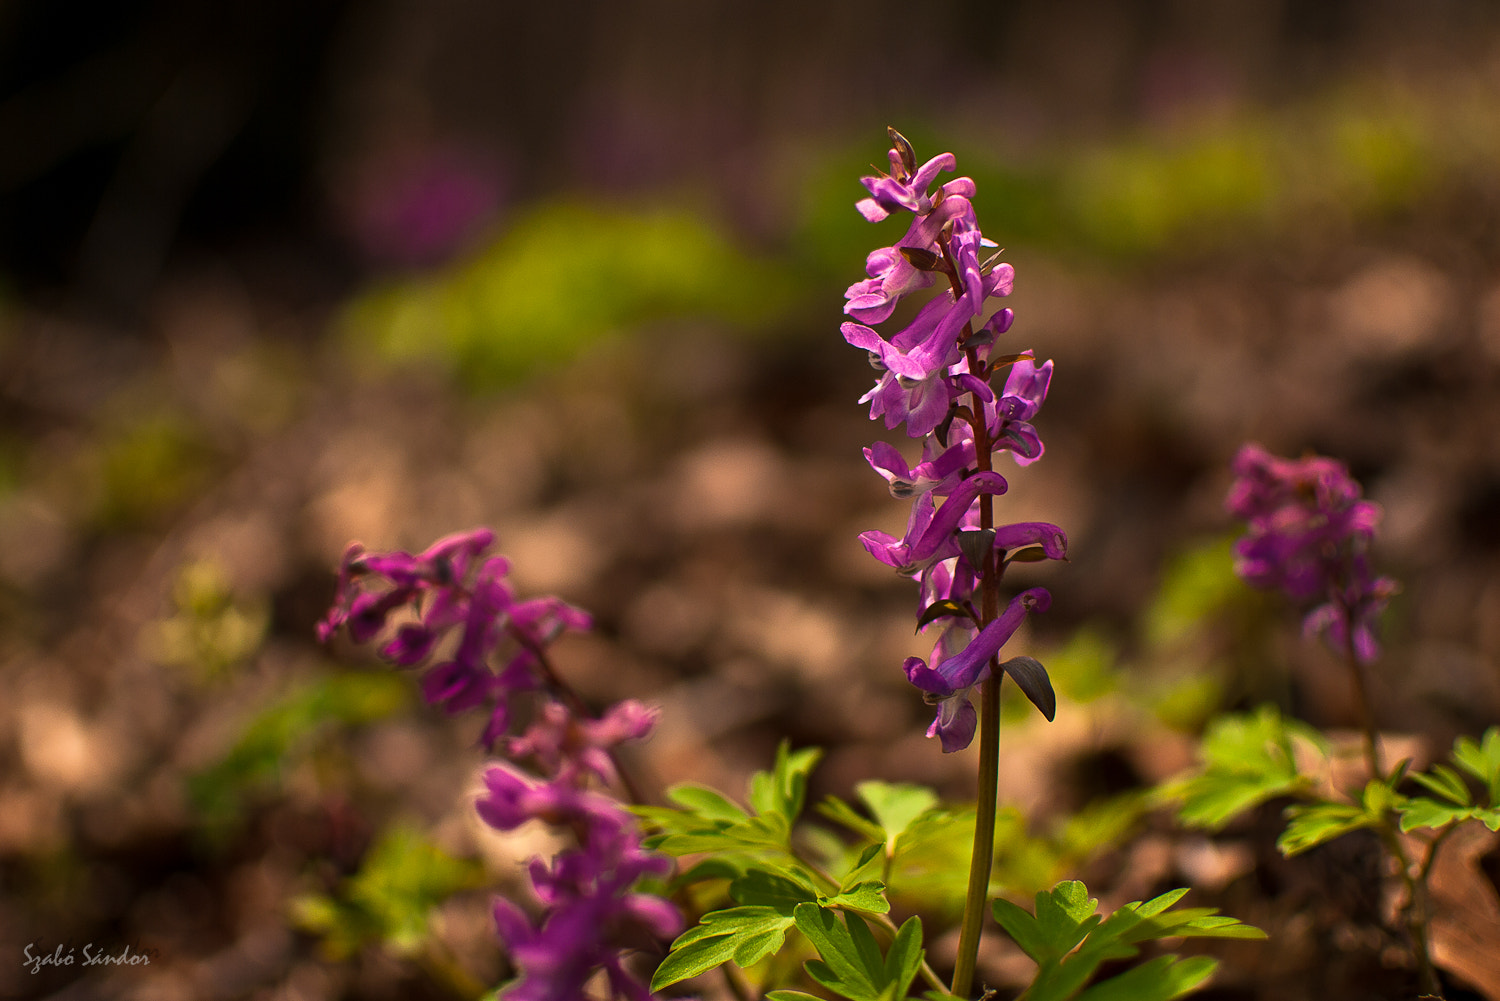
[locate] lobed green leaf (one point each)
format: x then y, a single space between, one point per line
1069 942
744 935
1481 759
1317 823
1419 811
1446 782
850 963
1160 979
701 801
895 805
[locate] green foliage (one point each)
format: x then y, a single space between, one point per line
895 806
769 881
1455 803
279 734
211 630
560 278
927 854
1069 942
1247 759
1313 824
706 821
1481 760
390 900
742 935
1196 584
146 467
851 964
752 848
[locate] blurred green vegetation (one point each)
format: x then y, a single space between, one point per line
562 277
285 733
211 630
566 274
1181 666
146 466
390 900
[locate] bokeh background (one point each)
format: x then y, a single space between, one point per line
278 275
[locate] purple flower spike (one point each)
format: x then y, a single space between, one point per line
1308 532
934 377
592 916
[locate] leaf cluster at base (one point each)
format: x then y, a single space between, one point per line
1069 942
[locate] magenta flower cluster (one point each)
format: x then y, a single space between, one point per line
454 599
934 377
1309 534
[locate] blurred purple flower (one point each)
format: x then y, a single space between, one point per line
1309 530
419 205
449 589
591 913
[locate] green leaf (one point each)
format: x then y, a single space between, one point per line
868 866
932 858
904 960
1159 979
1315 824
850 963
765 889
895 805
1490 817
1482 760
714 867
390 900
791 996
744 935
841 812
1247 759
1419 811
868 897
1064 916
1070 942
1446 782
286 731
782 790
704 802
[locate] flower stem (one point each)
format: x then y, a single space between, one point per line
1415 883
1362 701
982 859
570 697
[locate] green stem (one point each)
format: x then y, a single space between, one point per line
1362 701
1390 834
1416 907
982 858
